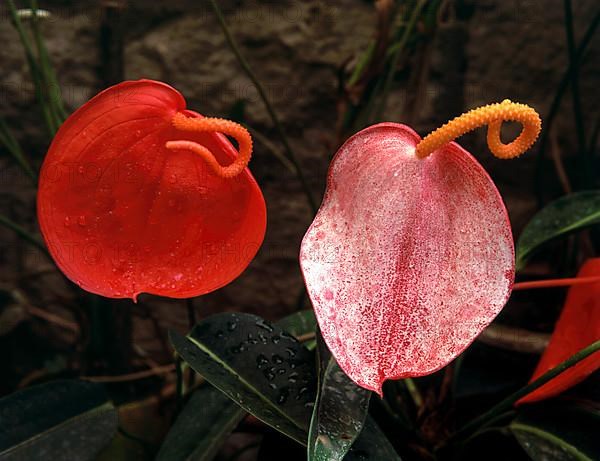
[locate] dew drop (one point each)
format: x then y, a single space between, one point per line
261 361
301 392
290 351
283 396
269 373
264 325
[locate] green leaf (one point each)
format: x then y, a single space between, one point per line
568 214
208 417
60 420
372 445
258 365
559 432
299 323
340 411
201 428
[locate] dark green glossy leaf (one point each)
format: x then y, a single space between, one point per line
258 365
202 426
372 445
567 214
299 323
559 432
60 420
340 411
209 416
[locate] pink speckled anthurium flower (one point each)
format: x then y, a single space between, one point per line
411 254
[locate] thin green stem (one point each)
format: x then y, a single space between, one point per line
51 83
414 392
362 63
191 314
398 48
575 94
33 69
555 105
263 95
23 233
13 147
266 142
178 384
509 401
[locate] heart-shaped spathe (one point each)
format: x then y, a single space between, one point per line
123 214
408 259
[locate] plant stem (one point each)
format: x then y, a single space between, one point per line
178 385
266 142
514 339
23 233
552 283
49 76
509 401
13 147
555 105
414 392
33 68
263 95
575 95
191 314
397 51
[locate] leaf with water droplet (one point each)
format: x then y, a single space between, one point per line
249 371
372 445
300 323
568 214
339 413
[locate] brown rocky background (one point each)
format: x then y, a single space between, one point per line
489 51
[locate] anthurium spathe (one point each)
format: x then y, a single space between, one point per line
577 327
138 194
411 254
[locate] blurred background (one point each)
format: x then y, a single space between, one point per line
329 68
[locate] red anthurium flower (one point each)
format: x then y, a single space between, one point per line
577 327
411 256
138 194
